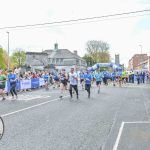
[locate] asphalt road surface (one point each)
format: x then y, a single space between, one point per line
111 120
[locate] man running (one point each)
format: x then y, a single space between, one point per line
2 84
88 79
12 79
46 79
73 79
113 75
98 77
82 79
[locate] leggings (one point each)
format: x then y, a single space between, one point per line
87 87
13 90
75 88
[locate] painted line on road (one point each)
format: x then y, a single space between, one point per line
121 129
27 108
28 99
119 136
137 122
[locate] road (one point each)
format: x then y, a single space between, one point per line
39 120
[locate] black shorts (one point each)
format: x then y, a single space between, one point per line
46 81
87 86
64 82
81 80
98 82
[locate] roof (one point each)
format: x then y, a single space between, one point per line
61 53
36 53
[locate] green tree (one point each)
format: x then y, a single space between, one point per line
3 63
88 59
18 58
98 51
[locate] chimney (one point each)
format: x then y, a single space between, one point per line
75 52
56 46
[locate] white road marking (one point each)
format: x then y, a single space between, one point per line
27 98
121 129
137 122
36 97
27 108
111 129
118 137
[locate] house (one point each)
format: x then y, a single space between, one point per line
56 58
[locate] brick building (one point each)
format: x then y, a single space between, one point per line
145 64
136 60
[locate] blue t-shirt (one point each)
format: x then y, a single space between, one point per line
12 77
98 76
113 74
56 78
46 76
118 74
88 78
106 74
81 75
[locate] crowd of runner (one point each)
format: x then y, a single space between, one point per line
70 80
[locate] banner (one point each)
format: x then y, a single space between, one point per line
34 83
25 84
41 82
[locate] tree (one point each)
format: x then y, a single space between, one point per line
18 58
3 63
88 59
98 51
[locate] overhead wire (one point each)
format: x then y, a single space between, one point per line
74 21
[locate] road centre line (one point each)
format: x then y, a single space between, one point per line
119 136
27 108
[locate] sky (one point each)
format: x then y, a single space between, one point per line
123 34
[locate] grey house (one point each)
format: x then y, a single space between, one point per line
60 58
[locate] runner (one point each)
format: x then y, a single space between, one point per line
2 84
98 77
12 79
56 80
46 79
63 82
113 74
119 78
73 78
82 80
88 79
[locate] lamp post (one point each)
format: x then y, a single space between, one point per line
8 63
141 56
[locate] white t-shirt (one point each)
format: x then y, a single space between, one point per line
73 78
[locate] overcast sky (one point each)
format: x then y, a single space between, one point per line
123 34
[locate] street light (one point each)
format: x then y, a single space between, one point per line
8 63
141 48
141 56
